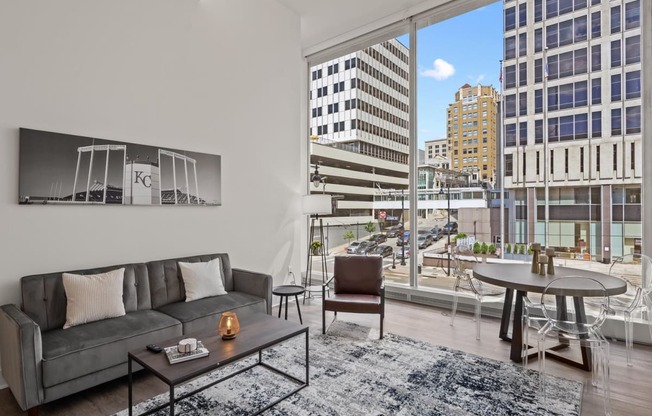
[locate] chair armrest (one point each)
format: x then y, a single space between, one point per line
328 282
324 287
254 283
21 353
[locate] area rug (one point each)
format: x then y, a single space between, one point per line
354 373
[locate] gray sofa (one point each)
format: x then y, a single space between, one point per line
42 362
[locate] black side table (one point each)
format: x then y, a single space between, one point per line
285 292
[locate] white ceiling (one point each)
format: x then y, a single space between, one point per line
324 20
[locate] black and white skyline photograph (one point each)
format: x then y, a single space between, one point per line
58 168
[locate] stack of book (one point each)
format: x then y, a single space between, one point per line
174 356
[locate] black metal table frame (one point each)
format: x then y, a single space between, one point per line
287 300
173 400
516 353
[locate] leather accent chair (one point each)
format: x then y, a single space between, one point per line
359 288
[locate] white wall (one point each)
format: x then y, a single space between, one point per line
214 76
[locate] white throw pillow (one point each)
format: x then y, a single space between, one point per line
202 279
93 297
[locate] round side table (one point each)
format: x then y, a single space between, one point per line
285 291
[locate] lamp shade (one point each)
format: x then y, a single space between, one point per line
317 204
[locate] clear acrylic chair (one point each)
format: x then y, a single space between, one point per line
533 318
563 322
636 303
464 260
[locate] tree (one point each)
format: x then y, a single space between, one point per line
484 248
522 249
370 227
508 248
492 249
348 236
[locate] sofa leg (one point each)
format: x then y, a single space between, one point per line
33 411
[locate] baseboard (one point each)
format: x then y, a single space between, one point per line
3 383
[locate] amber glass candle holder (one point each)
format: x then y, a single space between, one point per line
229 326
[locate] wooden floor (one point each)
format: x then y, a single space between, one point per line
631 387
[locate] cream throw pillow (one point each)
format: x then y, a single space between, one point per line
202 279
93 297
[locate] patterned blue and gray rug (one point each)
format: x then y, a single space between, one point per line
352 373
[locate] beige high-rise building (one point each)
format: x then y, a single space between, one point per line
471 132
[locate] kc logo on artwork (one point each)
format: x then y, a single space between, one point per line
146 180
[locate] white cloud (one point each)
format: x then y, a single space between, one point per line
440 71
479 78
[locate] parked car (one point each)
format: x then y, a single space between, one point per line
405 237
378 238
394 231
353 247
436 234
450 228
383 250
366 247
425 240
405 249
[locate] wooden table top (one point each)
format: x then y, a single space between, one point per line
520 277
257 331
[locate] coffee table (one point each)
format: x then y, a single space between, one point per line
257 332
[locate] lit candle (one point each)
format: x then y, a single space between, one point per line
228 326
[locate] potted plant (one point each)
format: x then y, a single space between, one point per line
476 248
522 249
484 248
315 248
492 249
508 249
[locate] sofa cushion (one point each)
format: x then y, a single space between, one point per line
202 280
204 314
83 349
166 283
93 297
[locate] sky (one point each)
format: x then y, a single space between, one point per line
464 49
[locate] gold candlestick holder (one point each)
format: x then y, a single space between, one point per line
543 260
536 248
550 253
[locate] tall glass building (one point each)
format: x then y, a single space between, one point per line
572 124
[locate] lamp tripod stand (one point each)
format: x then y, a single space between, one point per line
310 288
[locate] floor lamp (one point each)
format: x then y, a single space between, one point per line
315 205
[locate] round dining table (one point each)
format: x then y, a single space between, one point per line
520 279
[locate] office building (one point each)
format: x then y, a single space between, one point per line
359 126
572 86
471 132
434 148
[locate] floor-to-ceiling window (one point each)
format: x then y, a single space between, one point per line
402 119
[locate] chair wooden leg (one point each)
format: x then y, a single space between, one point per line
382 318
323 320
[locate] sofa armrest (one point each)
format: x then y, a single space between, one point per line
254 283
21 354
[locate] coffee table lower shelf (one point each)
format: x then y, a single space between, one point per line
212 367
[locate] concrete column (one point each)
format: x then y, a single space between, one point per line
531 214
605 222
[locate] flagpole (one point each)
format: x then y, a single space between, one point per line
502 163
546 155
